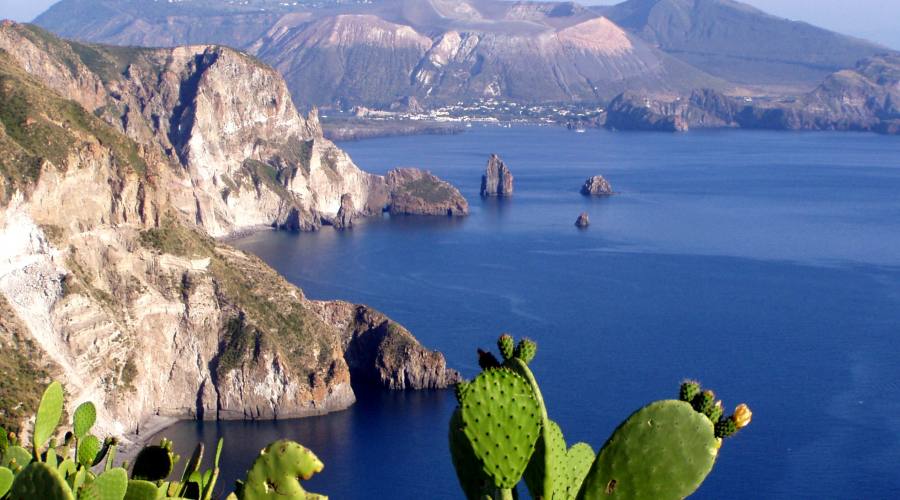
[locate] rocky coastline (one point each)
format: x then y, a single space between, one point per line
125 171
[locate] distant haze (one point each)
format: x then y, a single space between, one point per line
874 20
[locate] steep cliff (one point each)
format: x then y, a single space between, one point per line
227 123
109 279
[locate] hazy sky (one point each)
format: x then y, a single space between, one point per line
876 20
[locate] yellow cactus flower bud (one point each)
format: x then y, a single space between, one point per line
742 416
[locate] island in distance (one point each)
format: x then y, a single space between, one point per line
596 186
497 179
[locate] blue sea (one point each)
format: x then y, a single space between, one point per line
764 264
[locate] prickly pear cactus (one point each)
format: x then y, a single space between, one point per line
6 480
16 456
88 449
507 346
49 412
576 467
154 463
689 390
471 477
40 480
139 489
546 468
277 471
526 350
704 402
501 419
663 451
111 485
83 419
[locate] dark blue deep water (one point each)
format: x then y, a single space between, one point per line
767 265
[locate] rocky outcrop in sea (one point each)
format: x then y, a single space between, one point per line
418 192
596 186
497 179
344 218
583 220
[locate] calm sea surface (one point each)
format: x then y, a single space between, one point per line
765 264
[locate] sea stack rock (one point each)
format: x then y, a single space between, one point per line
344 219
497 179
583 220
596 186
418 192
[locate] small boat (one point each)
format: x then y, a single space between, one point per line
579 131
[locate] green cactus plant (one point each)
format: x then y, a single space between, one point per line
6 480
526 350
154 463
48 415
110 485
83 419
39 480
138 489
88 449
663 451
277 471
576 467
547 465
507 346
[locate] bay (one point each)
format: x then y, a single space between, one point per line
765 264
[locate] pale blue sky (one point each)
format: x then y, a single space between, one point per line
876 20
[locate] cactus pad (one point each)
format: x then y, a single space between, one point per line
111 485
88 449
153 463
547 465
277 471
49 412
471 477
17 453
39 480
507 346
526 350
663 451
83 419
6 480
142 490
578 462
502 420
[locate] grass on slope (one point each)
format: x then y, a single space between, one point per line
40 126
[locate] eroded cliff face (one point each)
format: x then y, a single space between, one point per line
109 279
243 155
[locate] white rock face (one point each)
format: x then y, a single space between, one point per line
106 264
